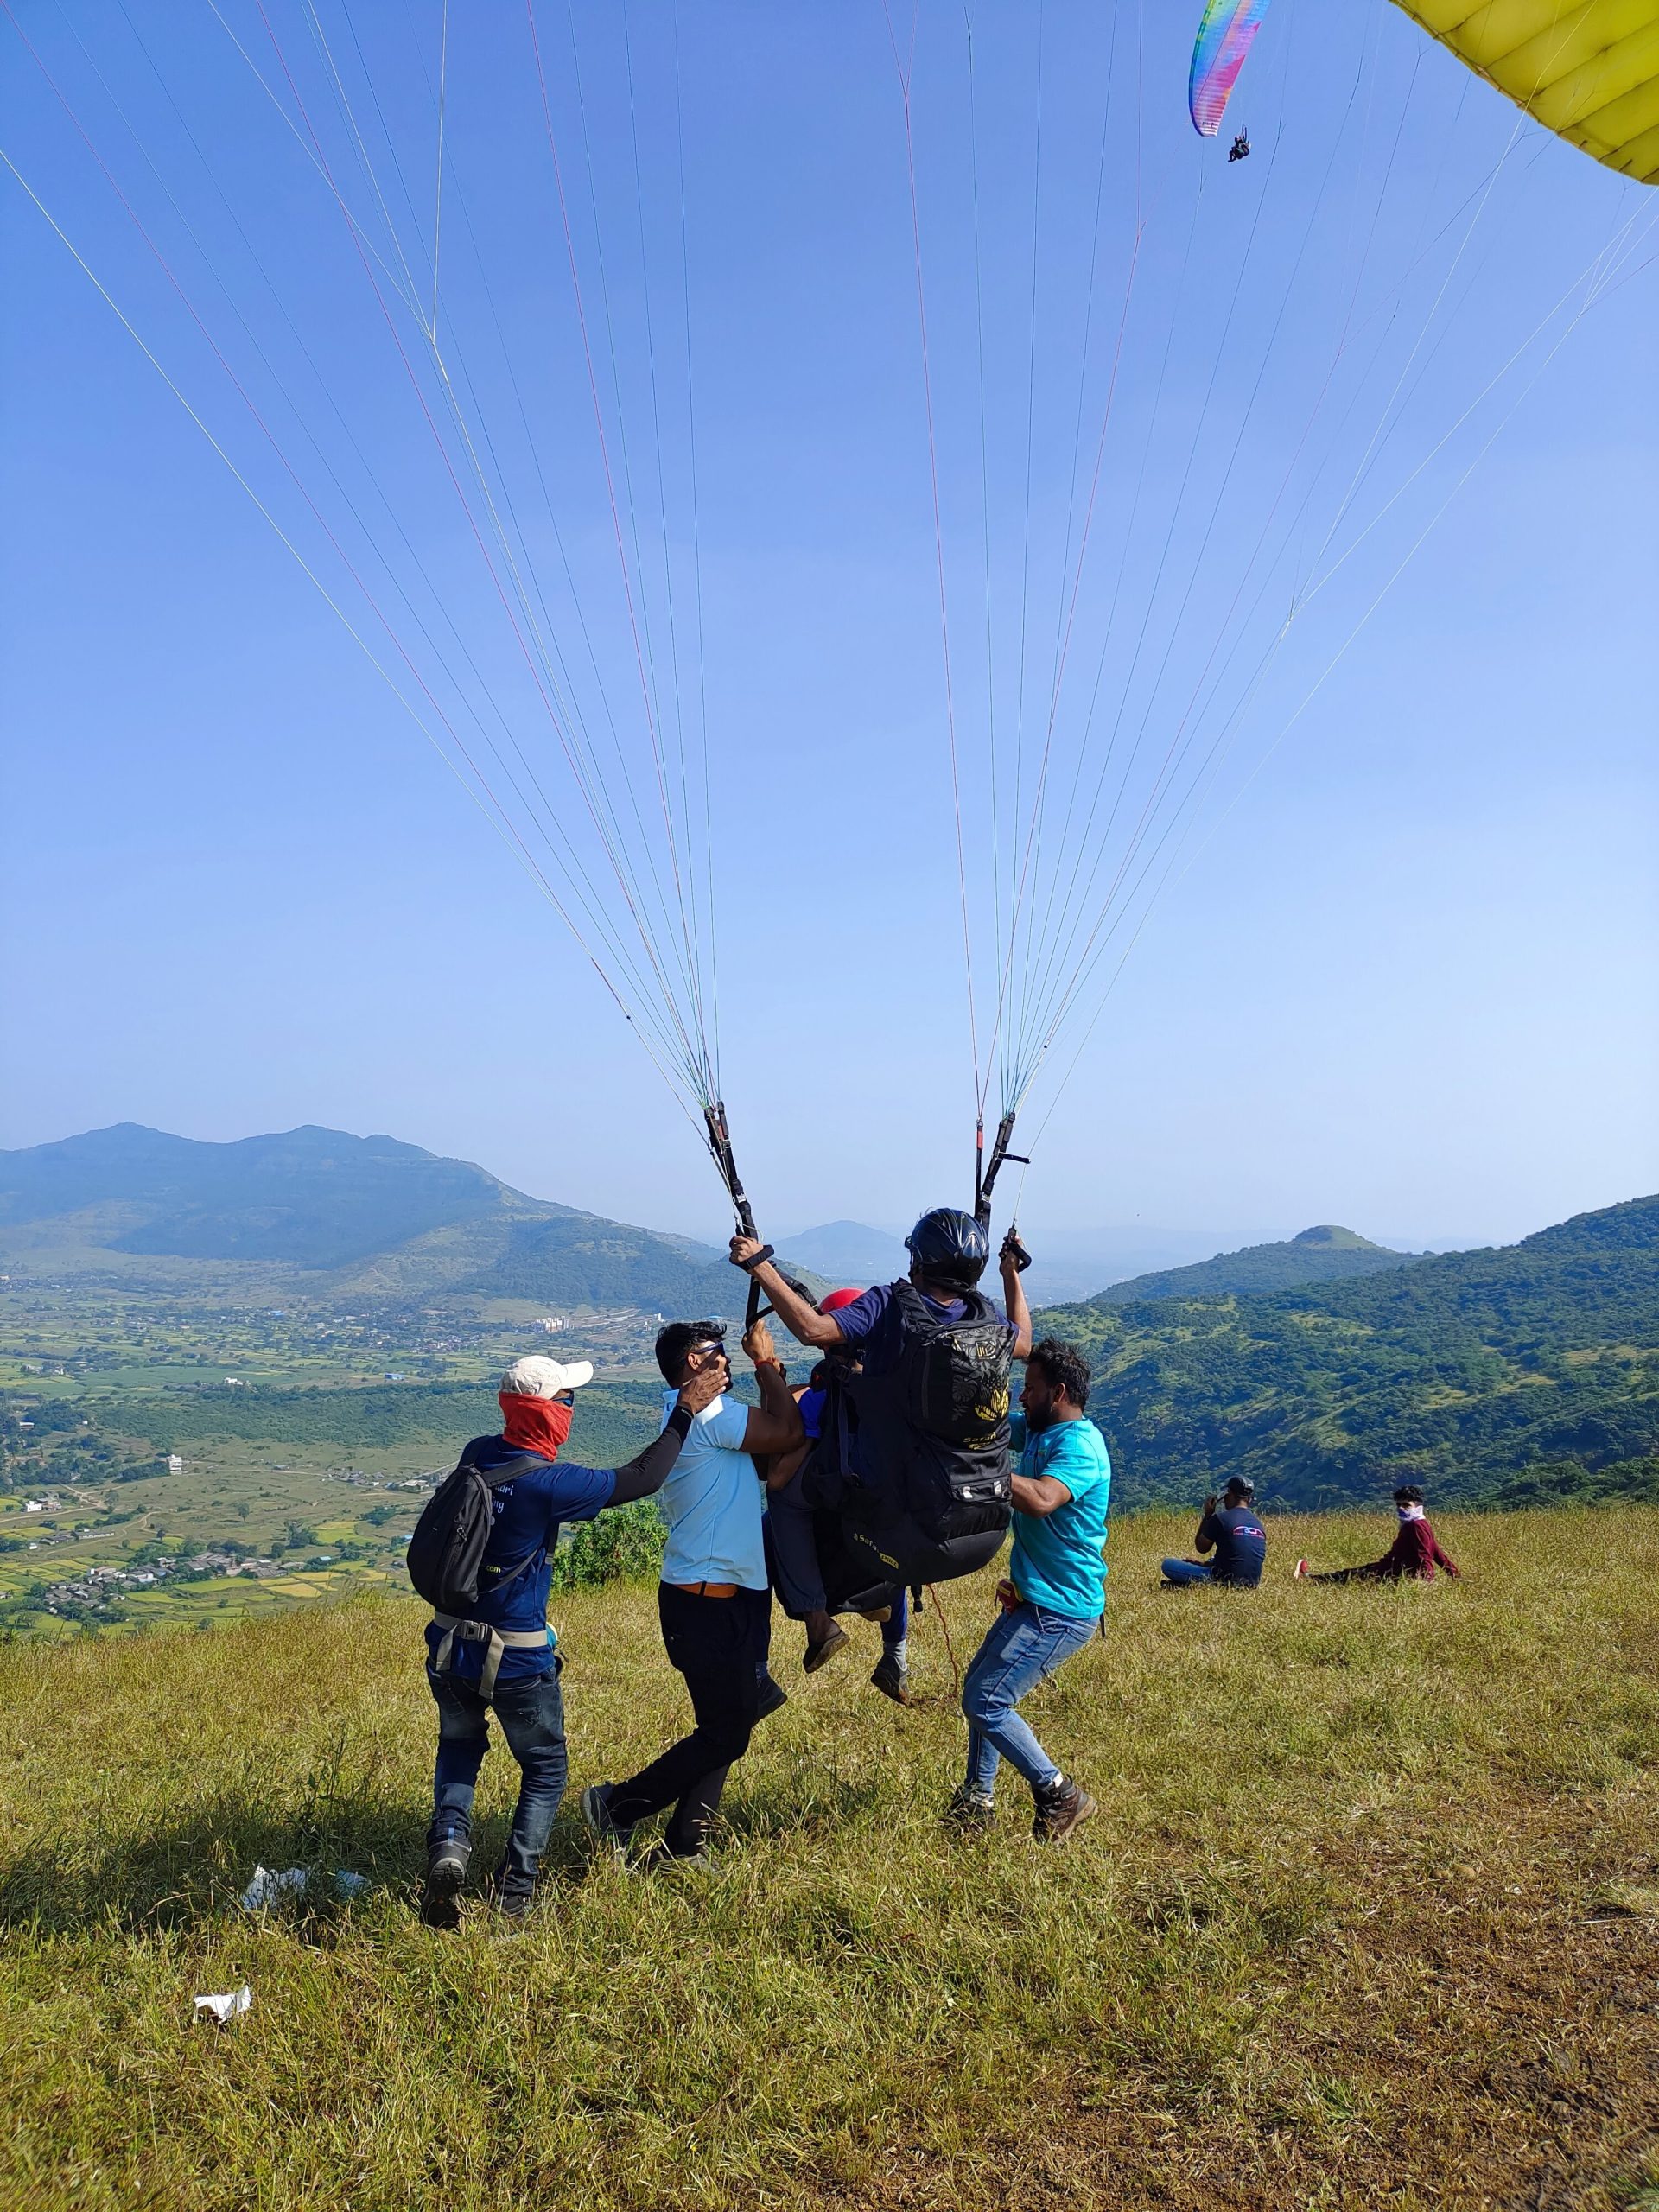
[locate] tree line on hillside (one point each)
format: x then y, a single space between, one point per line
614 1421
1534 1366
1515 1376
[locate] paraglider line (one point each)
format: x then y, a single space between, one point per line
904 75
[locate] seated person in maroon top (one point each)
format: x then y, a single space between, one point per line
1412 1556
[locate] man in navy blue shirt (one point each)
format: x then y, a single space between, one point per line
536 1399
1232 1531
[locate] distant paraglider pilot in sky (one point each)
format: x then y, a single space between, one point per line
1239 149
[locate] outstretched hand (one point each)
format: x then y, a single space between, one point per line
1013 1258
702 1387
744 1249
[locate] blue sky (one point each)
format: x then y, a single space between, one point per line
1399 969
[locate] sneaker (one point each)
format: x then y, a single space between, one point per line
820 1655
890 1679
664 1861
880 1615
969 1813
511 1908
1060 1807
594 1805
1299 1572
773 1695
446 1870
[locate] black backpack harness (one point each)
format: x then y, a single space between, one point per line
446 1563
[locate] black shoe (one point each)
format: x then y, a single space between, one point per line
773 1695
595 1807
1060 1807
969 1813
511 1908
890 1679
446 1870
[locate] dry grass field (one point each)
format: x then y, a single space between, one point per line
1369 1917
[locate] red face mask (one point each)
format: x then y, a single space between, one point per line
534 1424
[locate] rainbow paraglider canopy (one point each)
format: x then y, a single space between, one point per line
1224 39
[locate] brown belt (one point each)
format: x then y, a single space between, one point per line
707 1589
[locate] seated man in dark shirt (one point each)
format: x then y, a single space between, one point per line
1232 1531
516 1667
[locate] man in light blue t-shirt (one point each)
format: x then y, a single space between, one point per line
1054 1595
714 1601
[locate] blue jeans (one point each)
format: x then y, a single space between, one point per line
1188 1570
1023 1649
531 1714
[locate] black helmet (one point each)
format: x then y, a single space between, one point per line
948 1247
1240 1487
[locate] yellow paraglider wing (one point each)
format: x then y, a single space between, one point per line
1587 69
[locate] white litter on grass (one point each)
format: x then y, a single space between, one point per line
347 1885
268 1886
226 2006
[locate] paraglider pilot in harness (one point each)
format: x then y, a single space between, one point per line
913 1459
798 1529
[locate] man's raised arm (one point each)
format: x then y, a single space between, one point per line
645 1473
1013 1259
776 1425
798 1315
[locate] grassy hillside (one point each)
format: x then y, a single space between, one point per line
1327 1254
1471 1371
1367 1918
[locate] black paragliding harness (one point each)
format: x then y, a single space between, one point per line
881 1546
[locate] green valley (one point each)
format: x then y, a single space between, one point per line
1510 1376
215 1399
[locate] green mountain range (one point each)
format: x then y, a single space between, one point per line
1326 1368
363 1216
1525 1372
1327 1254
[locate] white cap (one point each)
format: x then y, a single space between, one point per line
538 1377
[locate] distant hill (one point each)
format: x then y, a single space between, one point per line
1327 1254
847 1252
1495 1376
357 1214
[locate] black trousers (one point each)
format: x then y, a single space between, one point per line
720 1645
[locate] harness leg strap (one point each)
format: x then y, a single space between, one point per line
496 1641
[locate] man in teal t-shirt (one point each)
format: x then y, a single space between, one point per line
1054 1595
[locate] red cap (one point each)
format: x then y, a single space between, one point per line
833 1301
